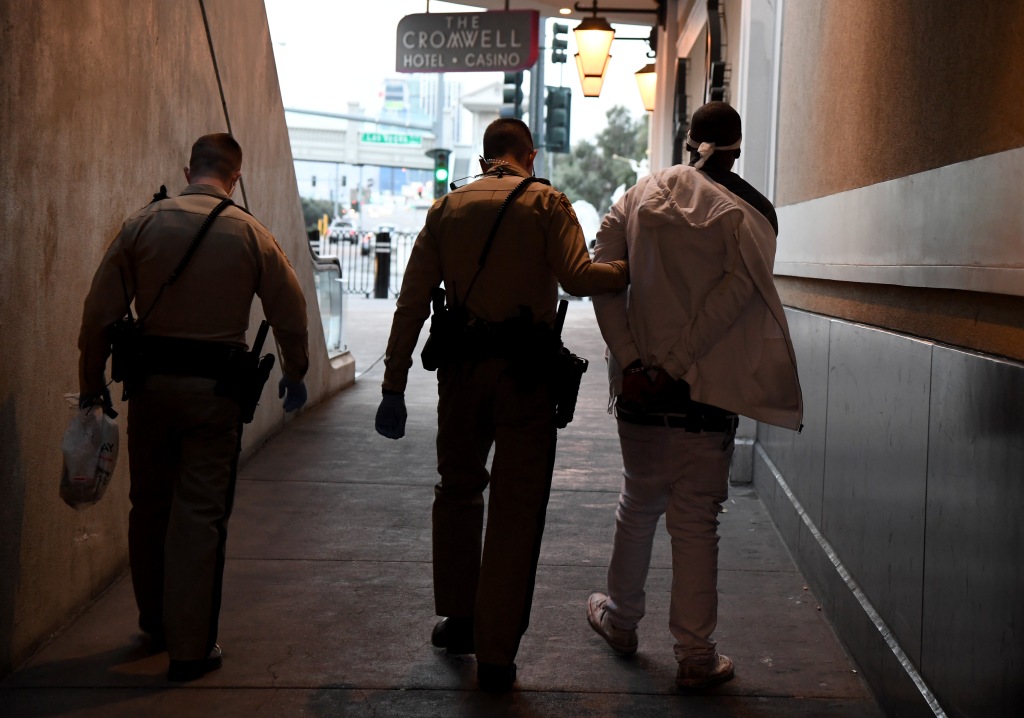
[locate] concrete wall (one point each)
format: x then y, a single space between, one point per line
101 102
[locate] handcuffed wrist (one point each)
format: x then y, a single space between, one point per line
636 367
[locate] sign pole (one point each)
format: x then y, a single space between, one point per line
537 103
439 112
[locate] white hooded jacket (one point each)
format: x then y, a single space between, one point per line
701 304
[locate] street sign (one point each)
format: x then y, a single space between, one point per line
390 138
504 41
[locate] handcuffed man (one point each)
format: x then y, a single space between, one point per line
699 337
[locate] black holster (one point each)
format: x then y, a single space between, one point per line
569 371
246 374
243 380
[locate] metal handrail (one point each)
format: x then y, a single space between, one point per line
323 261
330 298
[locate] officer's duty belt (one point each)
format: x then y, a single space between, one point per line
186 357
694 423
509 339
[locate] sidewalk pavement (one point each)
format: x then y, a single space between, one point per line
328 602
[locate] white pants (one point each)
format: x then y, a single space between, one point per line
685 476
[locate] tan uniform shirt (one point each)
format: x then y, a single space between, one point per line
539 245
236 260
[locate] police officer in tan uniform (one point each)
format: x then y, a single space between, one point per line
486 398
183 437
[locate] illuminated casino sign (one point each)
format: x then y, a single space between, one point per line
503 41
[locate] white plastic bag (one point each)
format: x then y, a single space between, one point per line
90 454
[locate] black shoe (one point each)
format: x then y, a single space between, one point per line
154 641
191 670
495 678
455 635
153 635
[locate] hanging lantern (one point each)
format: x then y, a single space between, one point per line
594 39
592 84
647 82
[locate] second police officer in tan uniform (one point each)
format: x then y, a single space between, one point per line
488 398
183 436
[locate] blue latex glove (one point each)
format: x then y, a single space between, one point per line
391 416
296 391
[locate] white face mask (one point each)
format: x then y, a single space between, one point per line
706 149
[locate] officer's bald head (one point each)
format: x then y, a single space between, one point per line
508 138
217 156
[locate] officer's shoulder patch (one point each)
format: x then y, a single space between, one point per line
563 201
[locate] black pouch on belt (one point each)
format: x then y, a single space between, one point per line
447 331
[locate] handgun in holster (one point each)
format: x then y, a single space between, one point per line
246 375
569 371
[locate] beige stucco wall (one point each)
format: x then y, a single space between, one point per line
898 162
101 101
875 90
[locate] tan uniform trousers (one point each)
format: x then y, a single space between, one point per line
480 405
183 445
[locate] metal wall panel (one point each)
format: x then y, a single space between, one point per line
973 637
776 502
875 469
963 240
920 455
800 458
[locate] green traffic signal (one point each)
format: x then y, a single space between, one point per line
441 157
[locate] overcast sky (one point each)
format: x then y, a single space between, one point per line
332 52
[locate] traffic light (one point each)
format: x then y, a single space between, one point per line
440 173
556 122
512 95
558 44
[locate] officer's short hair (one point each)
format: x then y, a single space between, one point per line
716 122
216 155
507 136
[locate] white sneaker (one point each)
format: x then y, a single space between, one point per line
701 675
622 641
